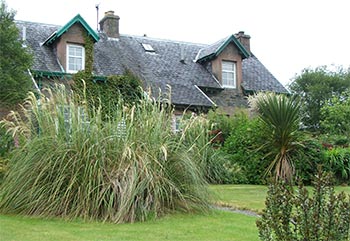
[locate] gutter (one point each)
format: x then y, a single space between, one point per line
205 95
34 82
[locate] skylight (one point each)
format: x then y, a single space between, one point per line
148 47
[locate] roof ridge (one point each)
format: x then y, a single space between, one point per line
47 24
163 40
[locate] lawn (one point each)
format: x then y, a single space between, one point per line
216 225
251 197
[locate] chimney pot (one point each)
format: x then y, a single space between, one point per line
110 12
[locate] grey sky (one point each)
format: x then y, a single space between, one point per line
286 35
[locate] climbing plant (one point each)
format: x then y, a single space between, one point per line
106 91
89 53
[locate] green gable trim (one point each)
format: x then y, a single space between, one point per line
76 19
231 39
50 74
240 47
62 75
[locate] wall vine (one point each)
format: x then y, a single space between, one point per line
108 90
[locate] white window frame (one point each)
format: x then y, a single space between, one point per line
82 58
232 72
177 118
148 47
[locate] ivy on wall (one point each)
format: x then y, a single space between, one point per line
89 53
106 91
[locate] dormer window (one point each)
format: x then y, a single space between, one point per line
228 74
75 58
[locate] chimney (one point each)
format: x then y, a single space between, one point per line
110 24
244 39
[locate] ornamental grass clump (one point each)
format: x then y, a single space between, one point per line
125 168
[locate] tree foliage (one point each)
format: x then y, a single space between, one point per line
335 115
14 60
317 87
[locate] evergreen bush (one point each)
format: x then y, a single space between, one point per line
296 215
243 146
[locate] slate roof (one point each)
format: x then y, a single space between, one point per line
211 51
257 78
172 63
36 34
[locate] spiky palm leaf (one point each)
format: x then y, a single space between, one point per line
280 115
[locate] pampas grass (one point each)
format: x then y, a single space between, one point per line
73 162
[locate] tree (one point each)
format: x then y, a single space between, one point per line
14 60
317 87
336 115
280 116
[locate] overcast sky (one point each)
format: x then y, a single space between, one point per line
286 35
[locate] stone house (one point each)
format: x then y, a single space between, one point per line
201 76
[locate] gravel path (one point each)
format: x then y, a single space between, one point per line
235 210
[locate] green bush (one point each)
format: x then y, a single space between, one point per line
307 158
337 160
296 215
243 146
123 168
218 119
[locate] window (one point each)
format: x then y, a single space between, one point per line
75 58
228 74
121 128
148 47
66 116
177 123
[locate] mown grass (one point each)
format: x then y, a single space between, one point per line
250 197
217 225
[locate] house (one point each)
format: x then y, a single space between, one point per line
201 76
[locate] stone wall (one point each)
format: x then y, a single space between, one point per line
229 100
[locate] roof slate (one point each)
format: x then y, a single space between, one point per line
256 77
172 63
213 50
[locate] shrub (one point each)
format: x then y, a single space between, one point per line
296 215
125 168
337 160
307 158
243 144
218 119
